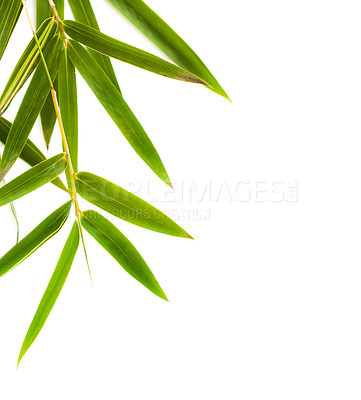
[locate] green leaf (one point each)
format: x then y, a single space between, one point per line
125 205
33 179
27 63
48 117
37 237
168 41
30 107
43 10
83 12
30 153
121 249
9 15
124 52
53 289
68 102
117 108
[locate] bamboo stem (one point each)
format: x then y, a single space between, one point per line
72 189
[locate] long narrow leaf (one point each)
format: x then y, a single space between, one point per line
125 205
83 12
117 108
168 41
27 63
68 102
124 52
30 153
9 14
48 117
37 237
53 289
121 249
30 107
32 179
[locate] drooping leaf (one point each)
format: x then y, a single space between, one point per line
47 114
68 102
121 249
9 15
83 12
53 289
37 237
117 108
33 179
124 52
125 205
166 39
30 107
48 117
27 63
30 153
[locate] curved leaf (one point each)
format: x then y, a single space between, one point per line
68 102
30 107
125 205
117 108
83 12
121 249
32 179
27 63
30 153
9 15
124 52
53 289
37 237
168 41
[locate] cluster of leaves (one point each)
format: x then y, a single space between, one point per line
58 48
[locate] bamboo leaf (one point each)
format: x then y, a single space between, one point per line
37 237
27 63
9 15
117 108
47 114
121 249
83 12
48 117
30 153
33 179
53 289
68 102
30 107
124 52
125 205
166 39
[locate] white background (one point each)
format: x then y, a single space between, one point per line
266 302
